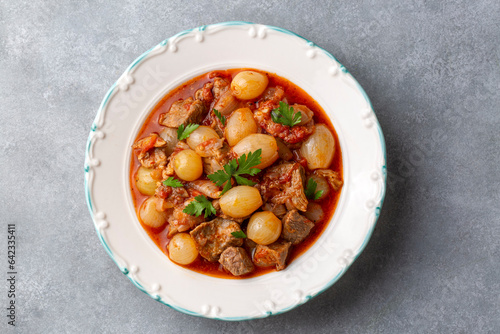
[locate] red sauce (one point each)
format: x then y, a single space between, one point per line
293 94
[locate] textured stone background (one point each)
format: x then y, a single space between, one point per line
432 70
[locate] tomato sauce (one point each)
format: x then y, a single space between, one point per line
293 94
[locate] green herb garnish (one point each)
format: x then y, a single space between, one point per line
235 168
311 192
200 204
239 234
284 114
221 117
184 132
171 182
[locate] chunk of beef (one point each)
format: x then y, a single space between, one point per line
225 102
150 151
295 227
184 112
332 177
218 87
279 210
274 254
236 261
154 158
205 93
272 95
211 165
214 122
210 148
249 245
214 237
170 197
290 135
216 157
221 85
180 221
284 184
145 144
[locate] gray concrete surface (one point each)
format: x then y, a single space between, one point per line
432 70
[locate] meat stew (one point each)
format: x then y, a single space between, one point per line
236 173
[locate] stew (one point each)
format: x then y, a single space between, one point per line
236 173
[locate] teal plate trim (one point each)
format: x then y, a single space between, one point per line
126 272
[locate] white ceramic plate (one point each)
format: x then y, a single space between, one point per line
189 54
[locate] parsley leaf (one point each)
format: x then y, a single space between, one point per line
200 204
184 132
311 192
243 181
244 165
171 182
284 114
239 234
220 116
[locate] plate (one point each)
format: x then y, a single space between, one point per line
189 54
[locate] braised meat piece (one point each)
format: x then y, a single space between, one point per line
184 112
180 221
284 184
220 86
171 196
274 254
227 103
295 227
249 245
272 95
214 237
212 165
290 135
150 151
154 158
332 177
145 144
205 93
224 102
210 148
214 157
236 261
279 210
